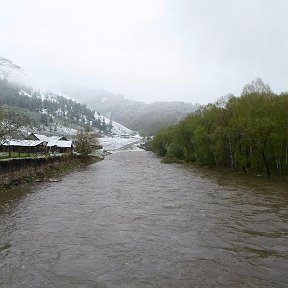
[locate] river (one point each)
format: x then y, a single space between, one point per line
130 221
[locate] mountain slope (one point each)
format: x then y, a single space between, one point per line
49 112
139 116
136 115
8 68
11 71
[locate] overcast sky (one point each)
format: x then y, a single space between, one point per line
189 50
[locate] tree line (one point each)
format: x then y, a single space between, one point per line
248 133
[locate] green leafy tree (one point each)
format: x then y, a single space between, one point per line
256 86
249 132
86 141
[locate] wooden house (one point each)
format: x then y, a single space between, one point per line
35 136
60 146
37 143
54 144
23 146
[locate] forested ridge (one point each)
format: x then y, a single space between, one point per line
248 133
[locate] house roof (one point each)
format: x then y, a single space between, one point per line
47 138
41 137
59 143
54 141
24 143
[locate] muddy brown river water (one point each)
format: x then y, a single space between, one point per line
130 221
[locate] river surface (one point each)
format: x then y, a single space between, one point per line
130 221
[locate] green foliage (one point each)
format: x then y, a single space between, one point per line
86 141
243 133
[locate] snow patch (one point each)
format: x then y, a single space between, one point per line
13 73
118 128
25 93
114 144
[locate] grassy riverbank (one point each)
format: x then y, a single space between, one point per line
19 174
224 174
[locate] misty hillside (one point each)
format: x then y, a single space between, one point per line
10 70
48 111
147 119
136 115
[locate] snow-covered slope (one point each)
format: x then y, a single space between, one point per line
119 129
14 73
11 71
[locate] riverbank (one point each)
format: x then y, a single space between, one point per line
228 171
18 172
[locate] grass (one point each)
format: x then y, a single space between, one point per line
5 155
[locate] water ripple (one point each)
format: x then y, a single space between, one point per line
130 221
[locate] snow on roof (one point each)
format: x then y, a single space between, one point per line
59 143
53 138
41 137
24 143
48 138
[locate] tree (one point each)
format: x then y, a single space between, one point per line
86 141
110 126
10 124
257 86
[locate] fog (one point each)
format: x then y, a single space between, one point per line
152 50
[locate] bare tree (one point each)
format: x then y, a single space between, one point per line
11 123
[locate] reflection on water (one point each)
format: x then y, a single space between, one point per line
130 221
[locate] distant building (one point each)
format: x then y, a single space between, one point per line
59 144
34 136
23 146
37 143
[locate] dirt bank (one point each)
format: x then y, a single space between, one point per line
15 172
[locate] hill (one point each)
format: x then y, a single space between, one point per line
49 112
55 109
136 115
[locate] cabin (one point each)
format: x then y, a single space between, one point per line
54 144
23 146
37 143
34 136
60 146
